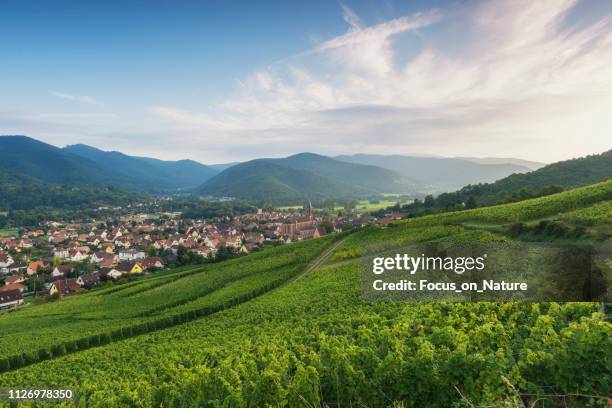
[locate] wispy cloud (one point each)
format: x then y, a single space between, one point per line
70 115
78 98
526 82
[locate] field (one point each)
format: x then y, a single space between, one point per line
8 232
360 206
288 327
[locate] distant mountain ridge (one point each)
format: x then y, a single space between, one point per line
146 173
86 166
303 176
532 165
516 187
438 174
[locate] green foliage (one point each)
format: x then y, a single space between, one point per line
301 177
548 180
253 331
141 306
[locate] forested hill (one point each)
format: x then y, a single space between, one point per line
85 166
303 176
30 157
549 179
20 192
146 173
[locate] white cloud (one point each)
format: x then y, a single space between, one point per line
526 83
78 98
350 17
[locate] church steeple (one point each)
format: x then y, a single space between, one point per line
309 210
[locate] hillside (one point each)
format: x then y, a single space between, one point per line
304 176
85 166
439 174
146 173
548 179
288 327
30 157
19 192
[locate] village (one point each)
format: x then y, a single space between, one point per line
60 259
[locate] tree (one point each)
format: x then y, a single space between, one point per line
471 202
429 201
350 205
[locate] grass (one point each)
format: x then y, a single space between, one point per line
361 205
8 232
314 342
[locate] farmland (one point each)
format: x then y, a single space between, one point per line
246 332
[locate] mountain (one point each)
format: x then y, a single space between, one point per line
21 192
547 180
144 173
569 173
85 166
30 157
438 174
222 166
532 165
304 176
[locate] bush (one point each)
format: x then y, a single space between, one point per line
517 229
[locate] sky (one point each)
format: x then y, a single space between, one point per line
221 81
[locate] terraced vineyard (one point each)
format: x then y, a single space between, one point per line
287 327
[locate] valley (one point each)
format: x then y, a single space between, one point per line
272 338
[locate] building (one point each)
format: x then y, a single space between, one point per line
10 298
13 286
64 287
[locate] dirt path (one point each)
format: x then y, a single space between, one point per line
319 260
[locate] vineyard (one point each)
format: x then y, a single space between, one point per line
249 333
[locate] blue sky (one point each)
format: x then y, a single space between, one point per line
219 81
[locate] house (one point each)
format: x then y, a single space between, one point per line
9 280
203 251
64 287
17 267
61 270
104 259
131 255
13 286
61 253
234 242
25 243
110 273
108 248
10 299
34 267
129 267
77 256
5 261
152 262
89 280
308 233
255 238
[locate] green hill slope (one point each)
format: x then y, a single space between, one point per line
145 173
548 179
24 155
85 166
20 192
304 176
312 340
